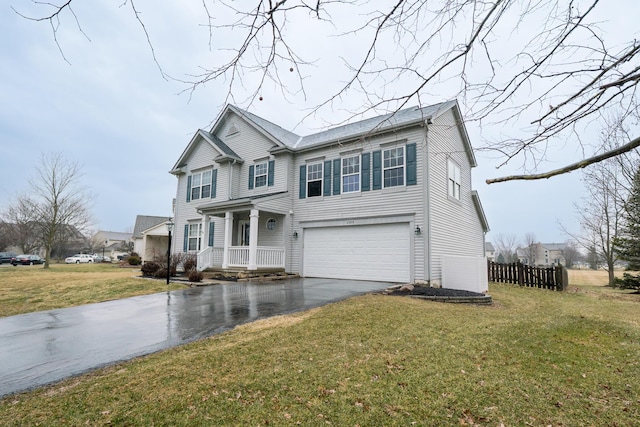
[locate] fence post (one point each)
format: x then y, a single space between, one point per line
562 278
520 268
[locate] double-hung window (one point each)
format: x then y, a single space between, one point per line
393 167
260 177
351 174
195 236
201 185
314 180
454 179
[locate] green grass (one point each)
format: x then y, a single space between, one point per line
533 358
28 289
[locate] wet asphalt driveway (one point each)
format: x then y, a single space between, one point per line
44 347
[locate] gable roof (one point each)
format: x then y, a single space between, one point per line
115 235
144 222
286 140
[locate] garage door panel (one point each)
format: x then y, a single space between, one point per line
366 252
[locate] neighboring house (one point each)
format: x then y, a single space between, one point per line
387 198
489 251
150 236
543 254
111 242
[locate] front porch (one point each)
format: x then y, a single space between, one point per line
239 257
252 240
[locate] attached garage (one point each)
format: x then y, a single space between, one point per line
379 252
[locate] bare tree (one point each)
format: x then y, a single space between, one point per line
530 248
506 246
19 225
571 253
601 212
545 69
57 203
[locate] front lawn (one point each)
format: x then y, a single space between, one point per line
535 358
24 289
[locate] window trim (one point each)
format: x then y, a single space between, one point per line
358 174
195 235
195 191
264 175
403 166
454 183
321 178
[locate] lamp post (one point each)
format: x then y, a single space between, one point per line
103 246
169 228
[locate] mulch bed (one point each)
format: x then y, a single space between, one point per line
434 292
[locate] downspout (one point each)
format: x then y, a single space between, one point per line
230 183
427 203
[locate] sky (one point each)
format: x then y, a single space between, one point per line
104 103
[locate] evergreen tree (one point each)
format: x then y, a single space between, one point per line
628 245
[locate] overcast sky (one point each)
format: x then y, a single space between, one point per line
110 108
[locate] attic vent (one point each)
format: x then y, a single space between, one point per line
232 130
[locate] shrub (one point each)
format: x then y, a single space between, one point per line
190 263
195 275
160 273
149 268
134 260
628 281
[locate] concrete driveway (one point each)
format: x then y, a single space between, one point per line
44 347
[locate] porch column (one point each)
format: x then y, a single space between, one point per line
228 230
205 232
253 239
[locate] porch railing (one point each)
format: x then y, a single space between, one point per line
210 257
266 257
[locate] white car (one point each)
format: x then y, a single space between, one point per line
79 258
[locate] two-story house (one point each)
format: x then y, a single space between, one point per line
385 198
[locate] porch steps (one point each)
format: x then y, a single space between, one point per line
242 275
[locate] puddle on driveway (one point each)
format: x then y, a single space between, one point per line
45 347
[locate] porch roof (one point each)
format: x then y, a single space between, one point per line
219 208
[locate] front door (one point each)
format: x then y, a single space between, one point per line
243 233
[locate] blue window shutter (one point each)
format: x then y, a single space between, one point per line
270 172
327 179
336 176
214 183
377 170
189 188
412 171
303 181
185 246
251 177
366 172
211 227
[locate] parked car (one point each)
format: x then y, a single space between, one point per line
79 259
100 258
6 257
26 260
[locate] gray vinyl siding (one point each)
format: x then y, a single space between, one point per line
389 202
250 145
455 226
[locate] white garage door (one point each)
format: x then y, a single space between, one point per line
364 252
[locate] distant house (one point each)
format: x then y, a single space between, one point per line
150 236
387 198
543 254
489 251
113 243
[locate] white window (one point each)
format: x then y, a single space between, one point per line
454 179
351 174
314 180
195 237
393 167
201 185
260 177
271 224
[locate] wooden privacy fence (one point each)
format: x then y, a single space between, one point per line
554 278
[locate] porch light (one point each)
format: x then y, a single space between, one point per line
418 229
295 234
169 229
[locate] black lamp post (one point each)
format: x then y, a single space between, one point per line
103 246
169 228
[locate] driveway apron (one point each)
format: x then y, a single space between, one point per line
44 347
